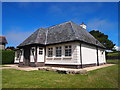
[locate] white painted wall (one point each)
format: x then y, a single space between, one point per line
22 57
89 55
71 60
40 57
16 60
101 55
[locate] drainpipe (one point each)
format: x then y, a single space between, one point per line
36 55
97 57
80 55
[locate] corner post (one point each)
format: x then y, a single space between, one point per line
97 57
80 55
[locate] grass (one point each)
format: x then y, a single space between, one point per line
102 78
112 61
113 54
4 66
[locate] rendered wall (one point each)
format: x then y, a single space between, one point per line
16 60
101 56
70 60
89 54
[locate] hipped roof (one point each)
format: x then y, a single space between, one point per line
64 32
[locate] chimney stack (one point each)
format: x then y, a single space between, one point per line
83 25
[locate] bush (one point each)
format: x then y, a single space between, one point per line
8 57
113 55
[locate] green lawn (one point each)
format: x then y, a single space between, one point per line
113 54
4 66
112 61
102 78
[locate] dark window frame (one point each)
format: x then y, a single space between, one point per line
50 52
33 51
58 51
68 50
40 51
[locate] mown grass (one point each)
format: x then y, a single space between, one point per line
113 54
102 78
112 61
4 66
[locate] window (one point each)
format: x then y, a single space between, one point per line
33 50
58 52
18 54
68 50
40 51
50 52
102 52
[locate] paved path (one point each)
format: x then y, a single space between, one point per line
15 66
97 67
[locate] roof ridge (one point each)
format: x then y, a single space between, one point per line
37 34
58 24
46 34
73 29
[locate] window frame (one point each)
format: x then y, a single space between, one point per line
40 51
33 51
50 52
58 52
68 51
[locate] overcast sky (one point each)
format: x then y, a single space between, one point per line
19 20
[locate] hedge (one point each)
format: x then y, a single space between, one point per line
7 57
113 55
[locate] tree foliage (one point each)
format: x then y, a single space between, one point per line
11 47
7 57
103 39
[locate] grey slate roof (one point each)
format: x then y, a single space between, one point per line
3 39
64 32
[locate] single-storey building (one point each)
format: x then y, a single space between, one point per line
3 42
66 44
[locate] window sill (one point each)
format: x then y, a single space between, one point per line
67 57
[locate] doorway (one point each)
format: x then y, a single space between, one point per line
26 56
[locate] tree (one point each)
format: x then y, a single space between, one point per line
103 39
12 48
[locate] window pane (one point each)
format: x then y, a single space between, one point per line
50 52
40 50
68 50
58 52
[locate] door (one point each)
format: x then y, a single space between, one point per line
40 54
27 56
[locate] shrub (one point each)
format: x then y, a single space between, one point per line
8 57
